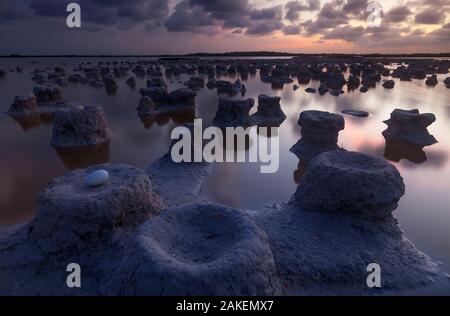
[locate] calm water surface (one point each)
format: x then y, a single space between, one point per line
28 162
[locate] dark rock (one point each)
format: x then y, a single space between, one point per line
405 76
304 77
198 249
146 107
323 89
233 113
269 112
60 81
175 99
73 219
386 73
80 126
125 200
355 184
276 80
131 82
23 104
418 74
432 81
409 126
310 90
195 83
336 93
40 77
110 85
389 84
212 84
181 98
48 93
353 82
157 94
356 113
370 78
60 70
334 80
319 133
77 78
238 87
243 89
225 87
156 83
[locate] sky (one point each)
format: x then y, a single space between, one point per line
188 26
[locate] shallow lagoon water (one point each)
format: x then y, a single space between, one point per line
28 162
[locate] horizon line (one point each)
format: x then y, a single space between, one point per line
232 54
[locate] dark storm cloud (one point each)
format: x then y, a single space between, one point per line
347 33
389 36
356 7
432 3
272 13
291 29
294 8
231 13
330 16
430 16
333 21
314 5
265 21
398 14
264 27
189 18
201 16
150 13
14 10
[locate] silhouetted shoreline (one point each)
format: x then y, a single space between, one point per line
237 54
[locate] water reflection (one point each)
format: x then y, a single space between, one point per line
83 156
277 86
302 167
32 120
27 122
436 159
179 117
397 150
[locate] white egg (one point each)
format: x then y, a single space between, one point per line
97 178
